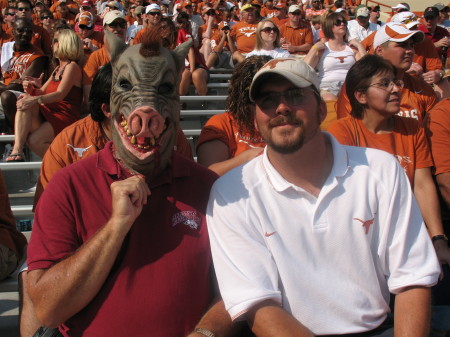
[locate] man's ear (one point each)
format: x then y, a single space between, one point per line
106 110
379 51
361 97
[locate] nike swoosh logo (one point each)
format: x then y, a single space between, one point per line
418 92
269 234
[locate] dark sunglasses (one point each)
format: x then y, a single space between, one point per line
292 97
120 24
339 22
188 6
113 7
210 13
46 17
11 14
86 8
21 9
133 7
55 40
24 30
269 30
154 13
296 13
85 27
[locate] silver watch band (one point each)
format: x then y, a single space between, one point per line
205 332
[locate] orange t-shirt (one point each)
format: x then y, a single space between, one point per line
42 40
96 60
20 62
297 36
72 5
279 22
417 99
80 140
245 35
70 19
202 29
407 142
139 35
224 127
267 13
425 54
5 37
439 133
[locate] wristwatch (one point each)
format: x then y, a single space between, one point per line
205 332
40 102
439 237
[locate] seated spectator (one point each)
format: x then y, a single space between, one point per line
231 139
63 12
296 34
9 16
223 48
137 24
207 30
48 22
280 17
243 33
316 9
196 71
443 20
374 92
334 58
375 15
268 11
361 27
45 110
440 36
91 39
168 33
268 41
150 19
88 6
12 242
4 36
316 26
19 58
39 7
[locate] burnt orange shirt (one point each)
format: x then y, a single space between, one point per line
245 35
417 99
267 13
20 62
407 142
70 18
72 5
279 22
439 134
224 127
139 35
96 60
297 36
42 40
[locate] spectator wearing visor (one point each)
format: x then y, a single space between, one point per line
361 27
91 39
296 34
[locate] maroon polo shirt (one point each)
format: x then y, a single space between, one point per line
159 285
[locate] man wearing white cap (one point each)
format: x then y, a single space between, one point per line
310 238
151 18
361 27
401 7
395 43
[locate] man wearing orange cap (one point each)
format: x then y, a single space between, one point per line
296 34
244 33
92 40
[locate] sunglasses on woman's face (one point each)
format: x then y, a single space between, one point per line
269 30
339 22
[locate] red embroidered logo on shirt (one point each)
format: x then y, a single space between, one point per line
366 224
269 234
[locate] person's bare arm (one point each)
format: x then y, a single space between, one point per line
215 155
314 54
268 319
412 312
427 198
443 181
67 287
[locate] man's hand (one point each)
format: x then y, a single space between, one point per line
444 42
431 77
128 198
415 69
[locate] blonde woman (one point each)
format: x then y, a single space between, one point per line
43 111
268 41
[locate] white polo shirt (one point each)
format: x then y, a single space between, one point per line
330 261
356 31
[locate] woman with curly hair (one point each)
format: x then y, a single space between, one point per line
230 139
43 111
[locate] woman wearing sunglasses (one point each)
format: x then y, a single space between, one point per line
374 93
334 58
43 111
268 41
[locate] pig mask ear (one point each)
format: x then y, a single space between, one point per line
180 53
114 46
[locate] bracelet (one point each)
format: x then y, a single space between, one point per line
439 237
40 101
205 332
314 46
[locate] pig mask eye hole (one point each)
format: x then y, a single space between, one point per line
165 89
125 85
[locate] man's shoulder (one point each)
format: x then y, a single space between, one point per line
86 130
417 86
